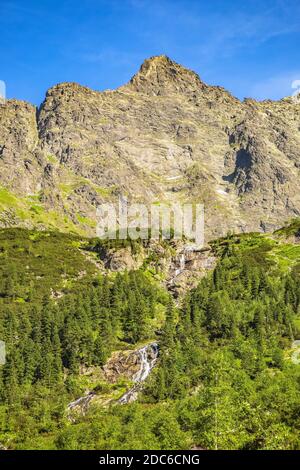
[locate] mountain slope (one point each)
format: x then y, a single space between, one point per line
226 374
164 136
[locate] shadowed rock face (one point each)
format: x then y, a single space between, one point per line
164 136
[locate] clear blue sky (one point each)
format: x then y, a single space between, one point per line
251 47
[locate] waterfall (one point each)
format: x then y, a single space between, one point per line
82 402
182 261
181 265
147 357
146 365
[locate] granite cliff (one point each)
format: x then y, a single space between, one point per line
164 136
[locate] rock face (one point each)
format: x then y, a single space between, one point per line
121 364
164 136
135 365
187 268
21 164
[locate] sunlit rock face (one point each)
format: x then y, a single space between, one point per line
164 136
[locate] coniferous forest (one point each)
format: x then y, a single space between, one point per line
149 232
227 376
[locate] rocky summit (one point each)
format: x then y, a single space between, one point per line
164 136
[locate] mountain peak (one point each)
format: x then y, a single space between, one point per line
159 75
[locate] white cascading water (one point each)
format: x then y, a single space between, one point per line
82 402
146 365
147 357
181 265
182 262
145 369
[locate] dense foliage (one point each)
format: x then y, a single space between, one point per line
228 348
224 379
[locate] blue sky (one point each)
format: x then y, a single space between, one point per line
251 47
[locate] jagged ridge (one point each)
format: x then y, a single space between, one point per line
164 136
